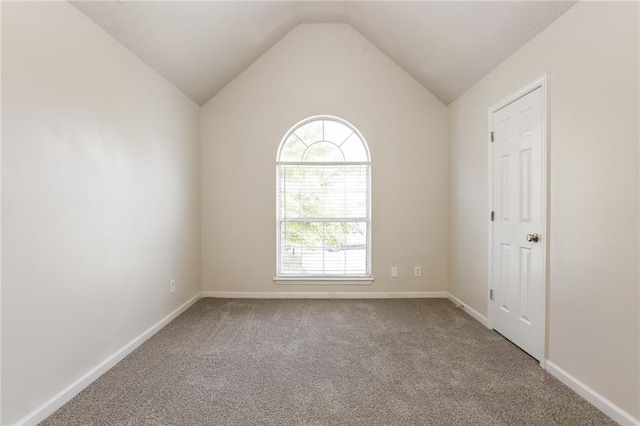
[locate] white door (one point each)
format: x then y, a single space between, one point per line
518 305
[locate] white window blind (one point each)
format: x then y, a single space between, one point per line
323 198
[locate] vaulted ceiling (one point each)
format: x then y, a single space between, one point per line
200 46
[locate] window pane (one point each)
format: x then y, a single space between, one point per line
310 132
323 209
323 152
336 132
323 191
324 140
353 149
323 248
293 149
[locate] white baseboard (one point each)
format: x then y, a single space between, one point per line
65 395
322 295
600 402
472 312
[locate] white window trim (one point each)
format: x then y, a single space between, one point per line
284 280
327 280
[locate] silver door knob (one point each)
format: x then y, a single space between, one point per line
533 238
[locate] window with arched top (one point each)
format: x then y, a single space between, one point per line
324 201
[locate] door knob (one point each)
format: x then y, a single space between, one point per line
533 238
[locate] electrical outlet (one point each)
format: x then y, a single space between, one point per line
417 271
172 286
394 272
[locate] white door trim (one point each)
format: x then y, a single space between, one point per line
540 82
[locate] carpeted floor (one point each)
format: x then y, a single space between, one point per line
327 362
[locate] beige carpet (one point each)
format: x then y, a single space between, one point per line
327 362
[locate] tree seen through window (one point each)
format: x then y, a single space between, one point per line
323 172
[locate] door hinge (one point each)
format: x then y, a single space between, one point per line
493 215
491 294
492 136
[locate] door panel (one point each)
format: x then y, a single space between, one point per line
518 282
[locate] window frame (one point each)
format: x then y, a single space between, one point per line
366 278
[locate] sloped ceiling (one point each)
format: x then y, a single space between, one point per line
201 46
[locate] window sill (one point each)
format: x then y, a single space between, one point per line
323 281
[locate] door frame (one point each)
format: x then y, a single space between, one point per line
540 82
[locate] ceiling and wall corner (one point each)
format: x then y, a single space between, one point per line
100 202
592 59
201 46
323 69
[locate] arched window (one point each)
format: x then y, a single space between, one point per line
324 201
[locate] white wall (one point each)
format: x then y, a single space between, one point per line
324 69
0 215
100 187
591 54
